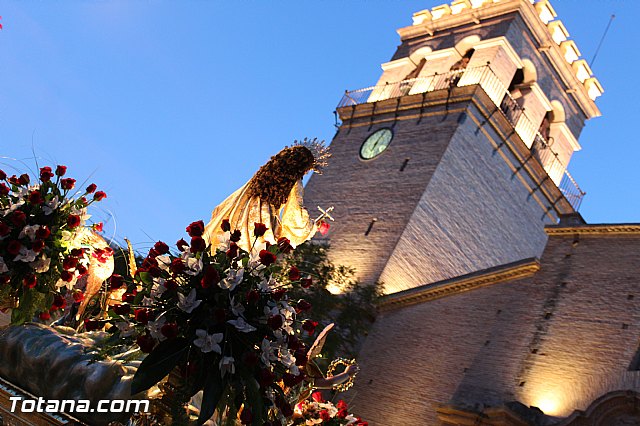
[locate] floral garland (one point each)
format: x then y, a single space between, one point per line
222 319
317 411
42 254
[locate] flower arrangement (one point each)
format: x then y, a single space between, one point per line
222 319
316 411
43 249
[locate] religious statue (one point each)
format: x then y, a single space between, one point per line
273 196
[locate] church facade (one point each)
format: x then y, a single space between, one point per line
449 181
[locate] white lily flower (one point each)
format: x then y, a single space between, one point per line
39 266
208 342
267 353
29 231
125 328
236 308
188 303
158 288
154 328
26 255
51 206
164 262
234 277
194 265
241 325
227 365
3 266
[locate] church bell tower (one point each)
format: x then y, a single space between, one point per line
456 159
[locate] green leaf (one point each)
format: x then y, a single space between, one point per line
145 277
254 400
213 389
158 364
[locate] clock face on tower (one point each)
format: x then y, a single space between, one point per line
375 144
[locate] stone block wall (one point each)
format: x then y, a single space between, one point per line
556 340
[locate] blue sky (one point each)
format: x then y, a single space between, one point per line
171 106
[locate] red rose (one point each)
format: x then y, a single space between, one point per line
100 195
77 252
219 315
13 248
265 378
309 326
235 236
177 266
37 246
277 294
323 228
286 410
210 277
30 281
13 180
78 296
24 179
4 189
171 285
44 316
342 413
18 218
35 198
294 274
284 245
290 380
73 221
146 343
115 281
67 183
246 417
82 270
198 244
69 262
233 250
66 276
259 229
341 405
98 227
182 244
123 309
61 170
252 297
275 321
142 315
226 227
324 415
92 325
43 233
3 175
59 302
306 282
161 247
45 174
196 229
266 257
4 229
303 306
169 330
128 297
250 359
317 397
91 188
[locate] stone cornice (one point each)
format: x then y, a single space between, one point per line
538 29
450 287
596 229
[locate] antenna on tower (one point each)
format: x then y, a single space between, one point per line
606 30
